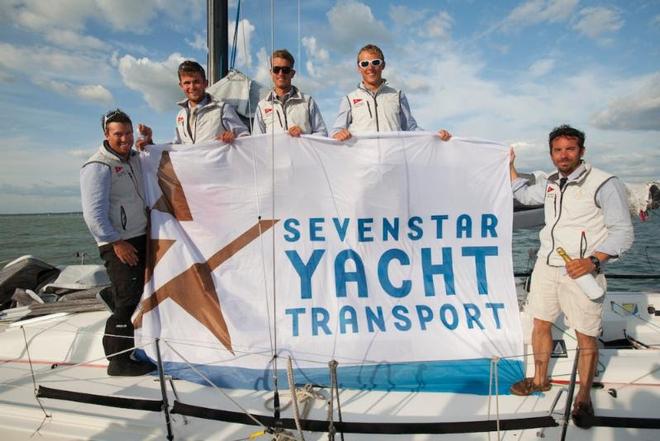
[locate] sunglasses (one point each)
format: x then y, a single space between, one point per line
375 63
284 69
110 117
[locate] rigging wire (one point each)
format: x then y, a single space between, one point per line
261 243
276 396
235 39
34 380
212 384
299 40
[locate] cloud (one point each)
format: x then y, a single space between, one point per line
639 111
541 67
438 26
94 92
28 60
73 40
262 74
30 184
243 49
129 15
540 11
598 20
81 153
39 15
354 25
119 15
404 16
156 81
45 189
87 92
46 66
655 21
317 57
198 43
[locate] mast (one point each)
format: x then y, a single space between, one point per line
217 39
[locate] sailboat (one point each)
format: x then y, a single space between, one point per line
53 385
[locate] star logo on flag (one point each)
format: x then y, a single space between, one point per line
193 289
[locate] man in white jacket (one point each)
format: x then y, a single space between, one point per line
202 118
285 108
374 106
116 214
586 213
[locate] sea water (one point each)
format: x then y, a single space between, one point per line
63 238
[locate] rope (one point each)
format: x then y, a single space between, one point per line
494 363
210 383
34 380
294 397
62 368
627 313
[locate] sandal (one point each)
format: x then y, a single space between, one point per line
527 387
583 415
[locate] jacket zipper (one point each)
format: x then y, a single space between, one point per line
279 118
122 216
286 121
376 112
552 230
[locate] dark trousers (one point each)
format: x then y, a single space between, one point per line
127 285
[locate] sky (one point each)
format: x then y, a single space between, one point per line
508 71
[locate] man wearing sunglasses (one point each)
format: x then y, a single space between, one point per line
286 109
374 106
115 213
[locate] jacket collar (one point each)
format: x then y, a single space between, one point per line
108 152
578 175
384 84
292 94
207 101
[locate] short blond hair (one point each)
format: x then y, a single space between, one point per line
371 48
283 53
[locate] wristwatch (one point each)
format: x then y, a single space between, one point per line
596 263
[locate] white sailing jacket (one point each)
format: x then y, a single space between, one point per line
573 218
375 112
127 210
278 117
209 119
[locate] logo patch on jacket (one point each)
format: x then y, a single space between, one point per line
119 169
179 119
550 189
267 110
357 100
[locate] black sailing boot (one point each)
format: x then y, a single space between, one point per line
119 337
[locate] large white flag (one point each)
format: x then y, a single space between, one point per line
390 255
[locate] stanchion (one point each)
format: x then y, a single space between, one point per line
163 391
